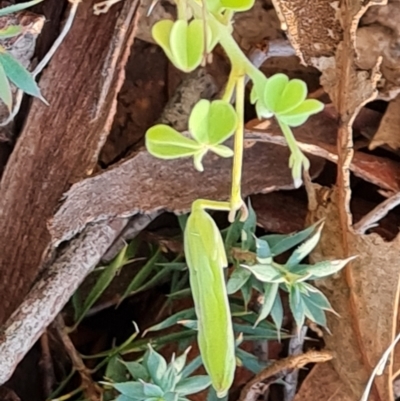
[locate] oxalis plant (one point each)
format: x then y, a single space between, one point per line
188 43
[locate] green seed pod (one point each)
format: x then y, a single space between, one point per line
206 258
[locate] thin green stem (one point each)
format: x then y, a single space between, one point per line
236 193
290 139
212 205
230 86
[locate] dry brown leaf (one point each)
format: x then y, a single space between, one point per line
369 304
388 131
365 292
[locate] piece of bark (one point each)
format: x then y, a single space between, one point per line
145 184
318 137
60 143
49 295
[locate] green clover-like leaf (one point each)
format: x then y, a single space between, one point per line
286 99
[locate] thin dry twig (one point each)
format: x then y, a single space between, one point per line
91 389
371 219
46 365
289 363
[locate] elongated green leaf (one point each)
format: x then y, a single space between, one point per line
155 364
265 273
19 76
152 390
251 362
130 389
277 313
313 312
264 255
246 291
166 143
142 275
170 396
296 306
304 249
116 371
192 385
249 229
10 31
5 89
123 397
319 299
103 282
270 293
282 243
327 268
237 280
172 320
137 370
18 7
192 366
